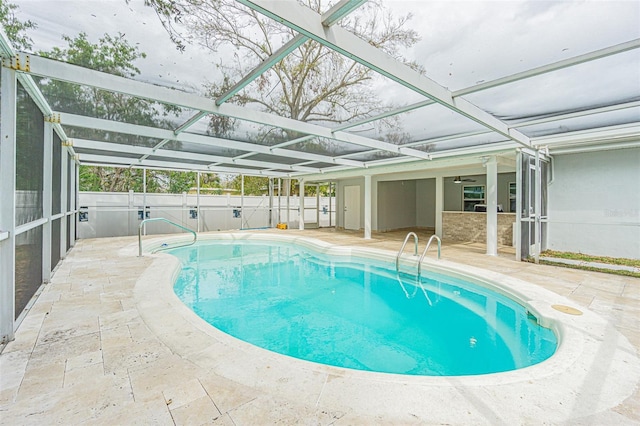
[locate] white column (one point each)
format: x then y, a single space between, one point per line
492 206
367 207
198 202
7 206
538 207
241 201
64 193
439 204
47 188
74 201
301 204
270 220
288 185
144 200
519 181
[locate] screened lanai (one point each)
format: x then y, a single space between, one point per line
490 86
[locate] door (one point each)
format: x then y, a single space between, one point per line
352 207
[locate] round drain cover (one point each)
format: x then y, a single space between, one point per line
567 309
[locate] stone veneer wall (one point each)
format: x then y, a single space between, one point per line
472 227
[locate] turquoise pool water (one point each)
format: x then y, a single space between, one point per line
357 315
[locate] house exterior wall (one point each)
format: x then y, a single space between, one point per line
397 206
426 203
594 203
340 200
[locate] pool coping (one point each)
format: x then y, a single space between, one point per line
594 369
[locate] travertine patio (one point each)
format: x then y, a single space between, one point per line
100 346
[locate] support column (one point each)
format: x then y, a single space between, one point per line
538 208
270 220
519 183
64 193
492 206
74 201
301 205
367 207
47 188
241 202
7 206
198 202
439 204
288 184
144 199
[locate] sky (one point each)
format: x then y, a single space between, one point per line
462 43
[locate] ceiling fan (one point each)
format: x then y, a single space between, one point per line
457 179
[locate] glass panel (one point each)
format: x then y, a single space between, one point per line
201 148
467 43
512 197
120 154
87 101
29 158
374 155
461 141
55 243
612 118
608 81
113 137
421 124
472 195
276 159
171 161
56 178
28 267
241 130
328 147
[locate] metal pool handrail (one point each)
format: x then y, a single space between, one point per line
155 219
425 251
415 248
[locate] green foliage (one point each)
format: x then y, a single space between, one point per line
253 185
15 29
113 55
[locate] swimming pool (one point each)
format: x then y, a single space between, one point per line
358 314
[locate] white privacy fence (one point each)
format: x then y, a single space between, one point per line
106 214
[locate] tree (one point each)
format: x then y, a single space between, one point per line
313 83
14 28
114 55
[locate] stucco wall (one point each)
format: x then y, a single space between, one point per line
426 203
340 200
396 205
594 203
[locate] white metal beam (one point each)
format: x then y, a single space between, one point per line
587 57
309 23
114 161
629 132
8 101
181 155
152 132
74 74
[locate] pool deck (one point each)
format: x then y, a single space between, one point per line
106 343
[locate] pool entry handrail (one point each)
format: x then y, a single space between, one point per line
427 248
162 219
415 248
